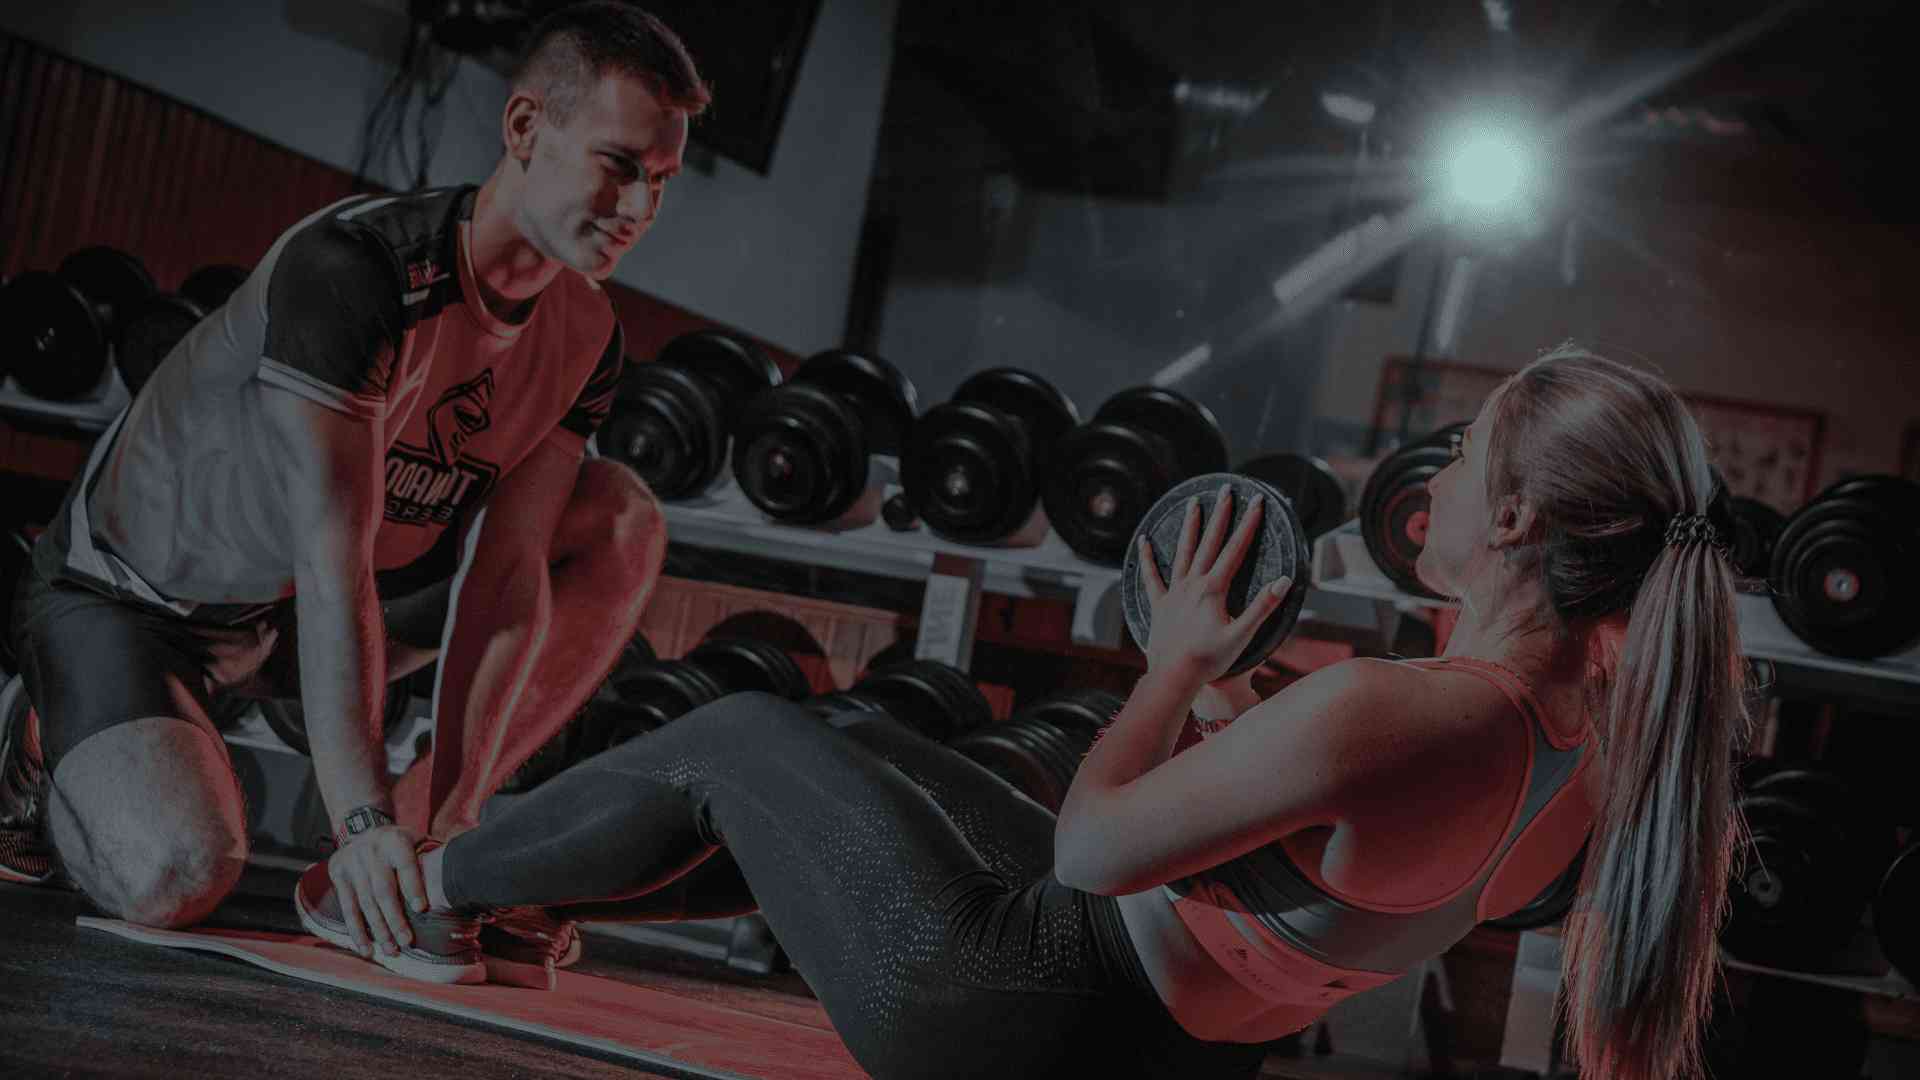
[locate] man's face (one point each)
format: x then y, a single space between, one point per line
594 186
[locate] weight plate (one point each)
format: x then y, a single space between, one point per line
54 341
738 368
1051 790
1104 479
666 424
929 696
636 655
969 472
1756 528
743 664
1280 550
1552 904
1394 506
800 454
883 397
211 285
1896 914
1318 499
1042 410
1075 711
1844 565
1009 760
110 278
149 333
659 695
1789 904
1188 426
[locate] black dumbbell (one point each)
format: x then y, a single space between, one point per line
936 699
1797 896
1552 904
589 722
1896 914
210 286
1279 550
1394 506
1309 484
1039 749
1847 566
974 463
157 324
672 419
801 450
1107 473
58 329
657 694
287 716
1756 529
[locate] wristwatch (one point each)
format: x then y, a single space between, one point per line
358 820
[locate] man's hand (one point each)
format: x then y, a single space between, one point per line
371 874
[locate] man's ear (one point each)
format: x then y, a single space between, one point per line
520 125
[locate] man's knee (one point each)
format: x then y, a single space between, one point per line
168 885
622 514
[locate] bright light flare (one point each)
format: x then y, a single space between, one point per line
1487 169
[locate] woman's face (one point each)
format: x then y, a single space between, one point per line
1458 516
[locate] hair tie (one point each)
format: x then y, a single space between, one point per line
1695 529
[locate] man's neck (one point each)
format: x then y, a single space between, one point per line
509 270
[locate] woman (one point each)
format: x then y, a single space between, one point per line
1189 906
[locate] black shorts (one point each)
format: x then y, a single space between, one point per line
93 658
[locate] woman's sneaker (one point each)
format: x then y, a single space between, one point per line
25 856
445 946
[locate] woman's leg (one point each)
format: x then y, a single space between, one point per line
927 960
1012 834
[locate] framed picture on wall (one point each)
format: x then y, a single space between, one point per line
1767 452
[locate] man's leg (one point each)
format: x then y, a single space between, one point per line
606 557
143 809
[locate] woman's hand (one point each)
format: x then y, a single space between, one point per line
1192 636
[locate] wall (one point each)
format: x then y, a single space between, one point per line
770 255
1796 310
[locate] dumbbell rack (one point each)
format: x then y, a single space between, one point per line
724 520
1343 567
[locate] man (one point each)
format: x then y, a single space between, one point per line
391 413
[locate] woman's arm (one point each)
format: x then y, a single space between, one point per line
1130 823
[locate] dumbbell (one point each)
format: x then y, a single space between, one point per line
1308 483
973 466
287 717
1280 549
934 698
588 723
1106 473
1797 896
1394 506
151 330
1846 568
1552 904
801 450
671 419
1896 914
56 330
1039 749
653 696
1756 530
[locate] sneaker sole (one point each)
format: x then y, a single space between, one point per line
409 963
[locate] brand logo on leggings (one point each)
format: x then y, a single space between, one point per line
429 485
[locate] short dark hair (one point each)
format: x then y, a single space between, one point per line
570 49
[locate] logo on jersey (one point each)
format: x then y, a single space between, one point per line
422 274
430 485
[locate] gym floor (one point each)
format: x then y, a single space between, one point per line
81 1002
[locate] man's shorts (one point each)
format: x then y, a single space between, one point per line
93 657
